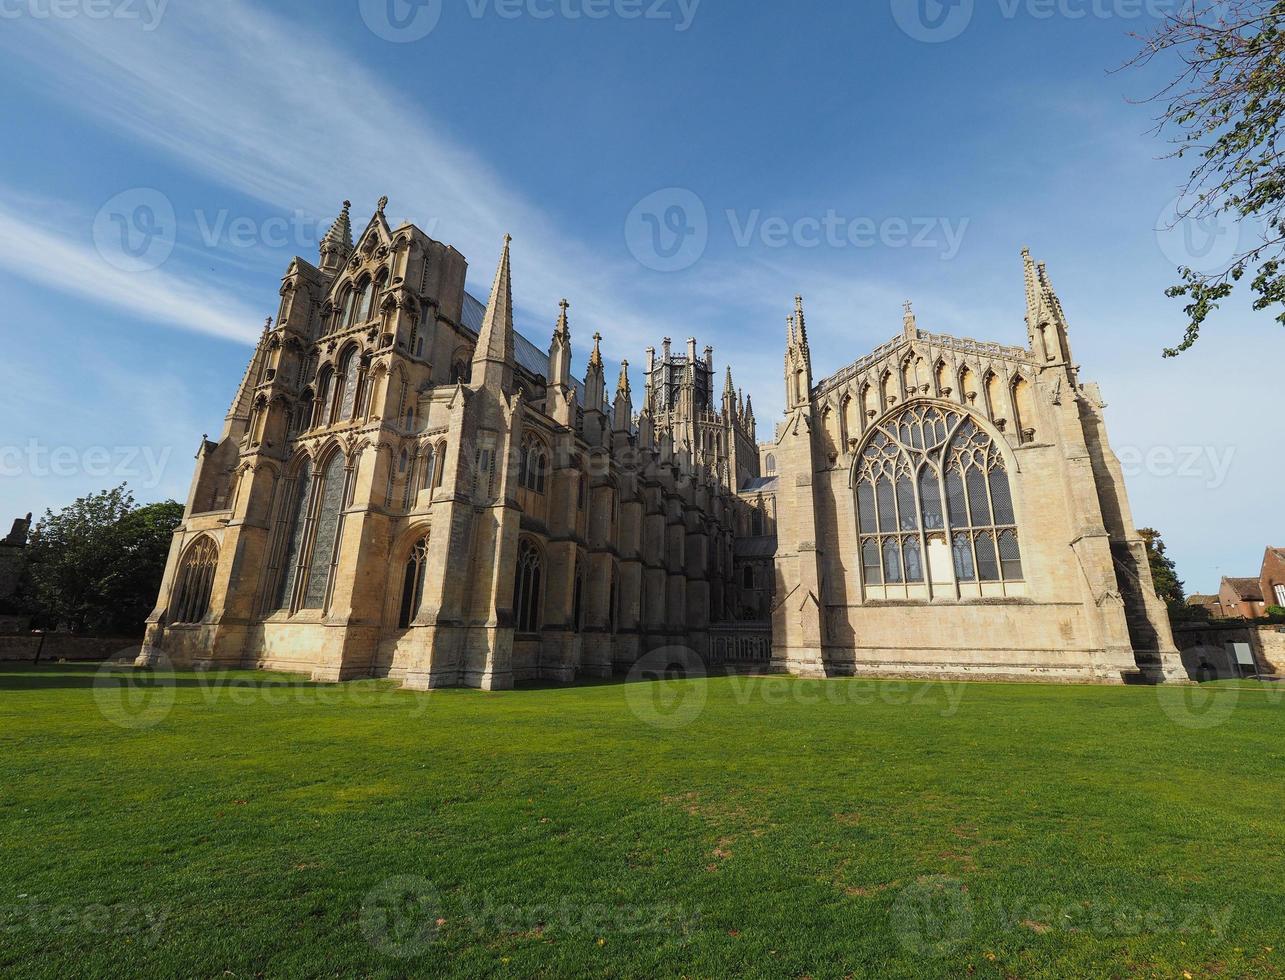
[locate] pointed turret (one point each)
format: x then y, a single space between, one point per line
798 359
909 326
560 350
239 410
595 385
800 322
1045 322
493 358
729 395
623 409
337 242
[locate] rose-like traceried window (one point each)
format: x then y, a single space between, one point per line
935 510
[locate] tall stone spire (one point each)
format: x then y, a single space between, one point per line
493 358
337 242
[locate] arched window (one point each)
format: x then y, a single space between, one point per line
756 523
295 515
324 388
329 520
533 465
346 387
934 504
366 302
357 303
347 304
430 468
413 583
747 577
769 465
577 603
195 580
526 588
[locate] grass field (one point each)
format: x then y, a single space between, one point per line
250 824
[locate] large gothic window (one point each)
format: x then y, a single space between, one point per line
413 583
935 509
526 588
330 503
299 495
195 582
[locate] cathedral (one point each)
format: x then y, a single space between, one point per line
406 487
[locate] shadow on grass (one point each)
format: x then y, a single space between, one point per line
44 677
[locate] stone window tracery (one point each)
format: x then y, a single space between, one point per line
195 582
935 510
533 465
295 527
526 588
413 583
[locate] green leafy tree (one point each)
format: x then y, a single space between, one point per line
1164 573
1223 109
95 566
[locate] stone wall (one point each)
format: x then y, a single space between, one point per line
1206 652
75 649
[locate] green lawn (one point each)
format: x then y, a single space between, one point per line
252 824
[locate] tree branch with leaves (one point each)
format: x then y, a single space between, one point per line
1224 109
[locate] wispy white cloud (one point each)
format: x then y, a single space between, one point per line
61 262
294 123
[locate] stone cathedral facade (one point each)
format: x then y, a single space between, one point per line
405 486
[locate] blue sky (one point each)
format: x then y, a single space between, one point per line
932 153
